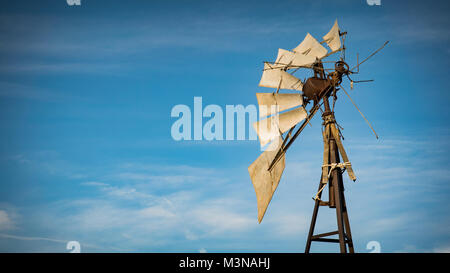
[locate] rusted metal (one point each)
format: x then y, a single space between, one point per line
335 190
313 87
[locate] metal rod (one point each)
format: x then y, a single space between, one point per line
348 231
336 181
297 133
370 125
325 234
283 149
313 220
357 61
376 51
363 81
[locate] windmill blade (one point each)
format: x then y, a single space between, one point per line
288 59
275 77
282 150
308 50
270 128
332 38
284 58
266 182
270 103
304 55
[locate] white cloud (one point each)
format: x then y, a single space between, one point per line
220 219
156 212
6 222
442 249
287 225
31 238
27 238
163 207
95 184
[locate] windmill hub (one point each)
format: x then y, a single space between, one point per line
314 87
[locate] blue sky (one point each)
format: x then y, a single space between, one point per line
86 152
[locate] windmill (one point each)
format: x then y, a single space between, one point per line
281 115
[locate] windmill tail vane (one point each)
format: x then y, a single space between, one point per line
281 112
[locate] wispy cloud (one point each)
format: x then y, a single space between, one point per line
442 249
63 68
26 238
22 91
6 222
94 183
30 238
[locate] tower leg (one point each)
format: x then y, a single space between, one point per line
313 220
336 191
336 181
347 226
